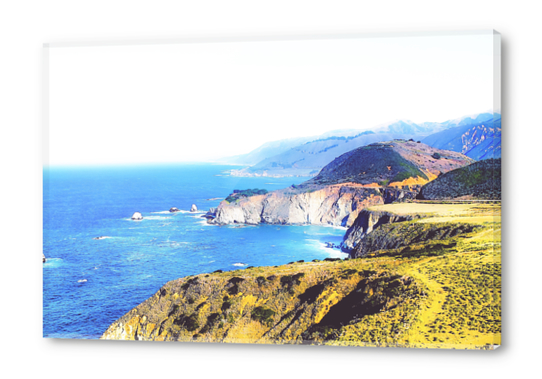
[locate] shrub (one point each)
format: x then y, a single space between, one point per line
263 315
211 320
226 304
436 155
292 279
190 323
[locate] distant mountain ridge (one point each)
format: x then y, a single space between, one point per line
309 156
479 141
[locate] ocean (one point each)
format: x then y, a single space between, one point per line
90 283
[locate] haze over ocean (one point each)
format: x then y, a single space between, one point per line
88 283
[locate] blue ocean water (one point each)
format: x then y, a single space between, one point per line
88 283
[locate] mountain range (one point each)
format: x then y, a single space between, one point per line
476 136
479 141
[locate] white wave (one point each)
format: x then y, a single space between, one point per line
101 237
179 211
335 226
203 221
81 281
332 252
239 264
156 218
336 253
52 262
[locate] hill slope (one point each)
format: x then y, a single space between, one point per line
393 163
480 180
267 150
308 158
438 293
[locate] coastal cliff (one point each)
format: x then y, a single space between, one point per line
334 205
337 205
366 222
380 173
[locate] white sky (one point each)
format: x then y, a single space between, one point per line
202 101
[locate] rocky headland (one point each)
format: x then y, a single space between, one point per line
379 173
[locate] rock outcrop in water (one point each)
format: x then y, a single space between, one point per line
210 215
193 208
173 210
137 216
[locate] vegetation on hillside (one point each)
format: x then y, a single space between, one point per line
480 180
439 289
390 162
238 194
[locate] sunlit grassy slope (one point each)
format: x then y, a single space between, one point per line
440 293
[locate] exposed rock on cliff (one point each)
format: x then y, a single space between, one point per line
193 208
366 222
137 216
334 205
480 180
395 236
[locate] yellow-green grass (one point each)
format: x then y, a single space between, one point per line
435 294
